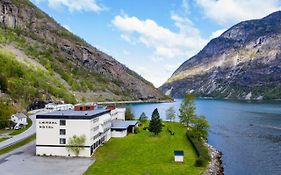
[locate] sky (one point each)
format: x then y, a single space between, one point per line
153 37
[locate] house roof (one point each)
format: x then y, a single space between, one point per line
72 114
123 124
178 153
20 115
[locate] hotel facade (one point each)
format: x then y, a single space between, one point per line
54 129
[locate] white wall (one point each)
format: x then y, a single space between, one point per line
50 135
60 151
119 133
118 114
178 158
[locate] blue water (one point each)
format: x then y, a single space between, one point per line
247 133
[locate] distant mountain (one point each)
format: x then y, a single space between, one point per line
243 63
43 60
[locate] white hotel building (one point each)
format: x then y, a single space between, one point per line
55 128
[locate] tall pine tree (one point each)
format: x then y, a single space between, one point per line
155 124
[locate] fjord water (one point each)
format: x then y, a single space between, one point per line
247 133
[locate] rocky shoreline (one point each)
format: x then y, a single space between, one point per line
215 165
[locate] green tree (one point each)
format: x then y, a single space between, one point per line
143 118
187 110
200 127
129 114
76 143
170 114
155 124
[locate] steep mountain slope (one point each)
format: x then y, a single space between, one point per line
71 69
244 63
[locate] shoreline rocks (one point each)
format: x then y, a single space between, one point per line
215 166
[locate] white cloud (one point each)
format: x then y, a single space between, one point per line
233 11
164 42
217 33
75 5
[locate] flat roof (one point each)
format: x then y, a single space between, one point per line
178 153
72 114
122 124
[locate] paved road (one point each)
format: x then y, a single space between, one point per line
17 138
24 162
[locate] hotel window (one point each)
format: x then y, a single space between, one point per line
62 141
62 131
62 122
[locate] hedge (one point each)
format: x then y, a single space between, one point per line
200 149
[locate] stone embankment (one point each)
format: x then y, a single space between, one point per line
215 166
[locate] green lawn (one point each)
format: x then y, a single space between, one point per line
146 154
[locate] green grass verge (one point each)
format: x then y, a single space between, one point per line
17 145
200 149
144 153
16 132
2 139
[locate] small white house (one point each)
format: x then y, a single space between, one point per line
19 119
178 154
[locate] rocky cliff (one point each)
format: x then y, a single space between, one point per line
243 63
84 71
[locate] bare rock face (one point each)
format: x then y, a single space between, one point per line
243 63
43 30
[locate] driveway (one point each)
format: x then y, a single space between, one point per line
24 162
17 138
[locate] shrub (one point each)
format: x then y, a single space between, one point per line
200 149
199 162
137 130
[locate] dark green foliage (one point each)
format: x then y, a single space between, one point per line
6 110
137 130
155 124
143 118
200 149
200 127
27 83
187 109
129 114
3 83
197 130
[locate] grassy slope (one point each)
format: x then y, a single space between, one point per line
143 153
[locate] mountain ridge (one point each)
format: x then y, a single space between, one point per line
242 63
91 74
